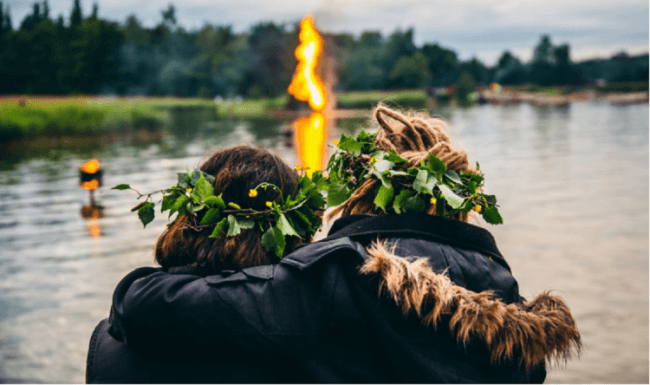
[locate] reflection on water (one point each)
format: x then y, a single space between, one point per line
572 185
311 133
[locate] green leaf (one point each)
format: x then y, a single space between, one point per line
182 180
246 223
121 187
219 228
420 184
384 196
168 201
298 224
475 177
394 157
492 216
302 217
453 175
436 165
216 201
202 189
471 187
382 165
490 199
365 137
196 175
234 205
399 200
414 204
452 199
146 213
197 208
337 194
273 240
285 226
316 200
233 226
350 145
209 178
179 204
210 216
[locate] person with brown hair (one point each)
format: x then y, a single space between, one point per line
188 249
403 289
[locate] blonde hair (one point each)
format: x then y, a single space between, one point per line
413 138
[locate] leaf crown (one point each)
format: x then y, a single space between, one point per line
406 188
296 215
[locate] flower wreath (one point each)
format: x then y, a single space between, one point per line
297 215
405 188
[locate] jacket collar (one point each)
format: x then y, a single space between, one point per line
455 233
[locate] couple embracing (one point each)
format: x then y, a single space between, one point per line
402 290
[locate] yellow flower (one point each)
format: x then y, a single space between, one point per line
336 142
477 208
252 193
373 160
189 190
433 201
269 204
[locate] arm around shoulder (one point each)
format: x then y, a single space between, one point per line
270 308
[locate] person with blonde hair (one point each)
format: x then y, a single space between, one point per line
403 288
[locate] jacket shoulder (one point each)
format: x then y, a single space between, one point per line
310 255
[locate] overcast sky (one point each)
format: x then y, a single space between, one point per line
480 28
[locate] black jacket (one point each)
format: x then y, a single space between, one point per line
338 311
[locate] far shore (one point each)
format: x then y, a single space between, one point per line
29 117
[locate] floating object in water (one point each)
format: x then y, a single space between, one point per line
90 175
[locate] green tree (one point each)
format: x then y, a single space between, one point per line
371 39
2 19
94 14
400 44
46 11
442 63
542 69
509 70
30 21
6 20
169 15
465 86
76 15
271 60
410 72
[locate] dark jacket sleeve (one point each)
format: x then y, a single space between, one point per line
273 308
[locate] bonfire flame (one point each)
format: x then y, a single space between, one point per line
306 85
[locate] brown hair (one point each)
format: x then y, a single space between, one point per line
236 171
413 138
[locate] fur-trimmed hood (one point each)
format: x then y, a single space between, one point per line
530 332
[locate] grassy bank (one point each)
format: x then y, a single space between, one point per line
415 99
31 117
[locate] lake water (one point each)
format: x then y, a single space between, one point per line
572 184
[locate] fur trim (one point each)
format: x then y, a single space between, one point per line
537 330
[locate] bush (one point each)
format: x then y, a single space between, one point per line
624 87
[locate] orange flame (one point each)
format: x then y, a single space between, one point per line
310 134
90 167
306 85
90 185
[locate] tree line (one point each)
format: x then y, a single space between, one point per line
85 54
